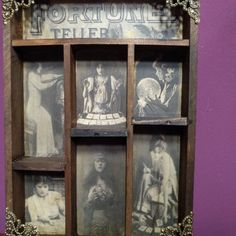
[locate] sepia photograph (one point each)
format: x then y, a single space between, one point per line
155 186
101 94
45 203
101 190
43 109
158 89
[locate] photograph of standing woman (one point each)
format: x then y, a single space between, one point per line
100 191
44 109
101 91
156 164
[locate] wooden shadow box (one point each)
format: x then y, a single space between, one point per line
100 116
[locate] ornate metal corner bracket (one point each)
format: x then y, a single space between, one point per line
183 229
191 6
10 7
14 226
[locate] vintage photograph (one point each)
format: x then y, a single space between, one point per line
101 93
45 203
43 109
101 190
158 89
155 186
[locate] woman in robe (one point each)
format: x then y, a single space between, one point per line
158 193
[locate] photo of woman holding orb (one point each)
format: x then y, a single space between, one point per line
103 200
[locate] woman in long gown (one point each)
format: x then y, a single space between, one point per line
99 91
37 114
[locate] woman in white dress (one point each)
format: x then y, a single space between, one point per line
37 114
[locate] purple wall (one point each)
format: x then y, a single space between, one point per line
215 168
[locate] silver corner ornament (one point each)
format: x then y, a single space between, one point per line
185 228
15 227
191 6
10 7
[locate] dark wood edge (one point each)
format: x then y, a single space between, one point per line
70 148
39 164
129 160
189 178
48 42
182 121
76 132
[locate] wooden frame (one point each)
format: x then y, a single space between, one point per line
17 50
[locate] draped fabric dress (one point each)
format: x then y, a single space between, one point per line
39 116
